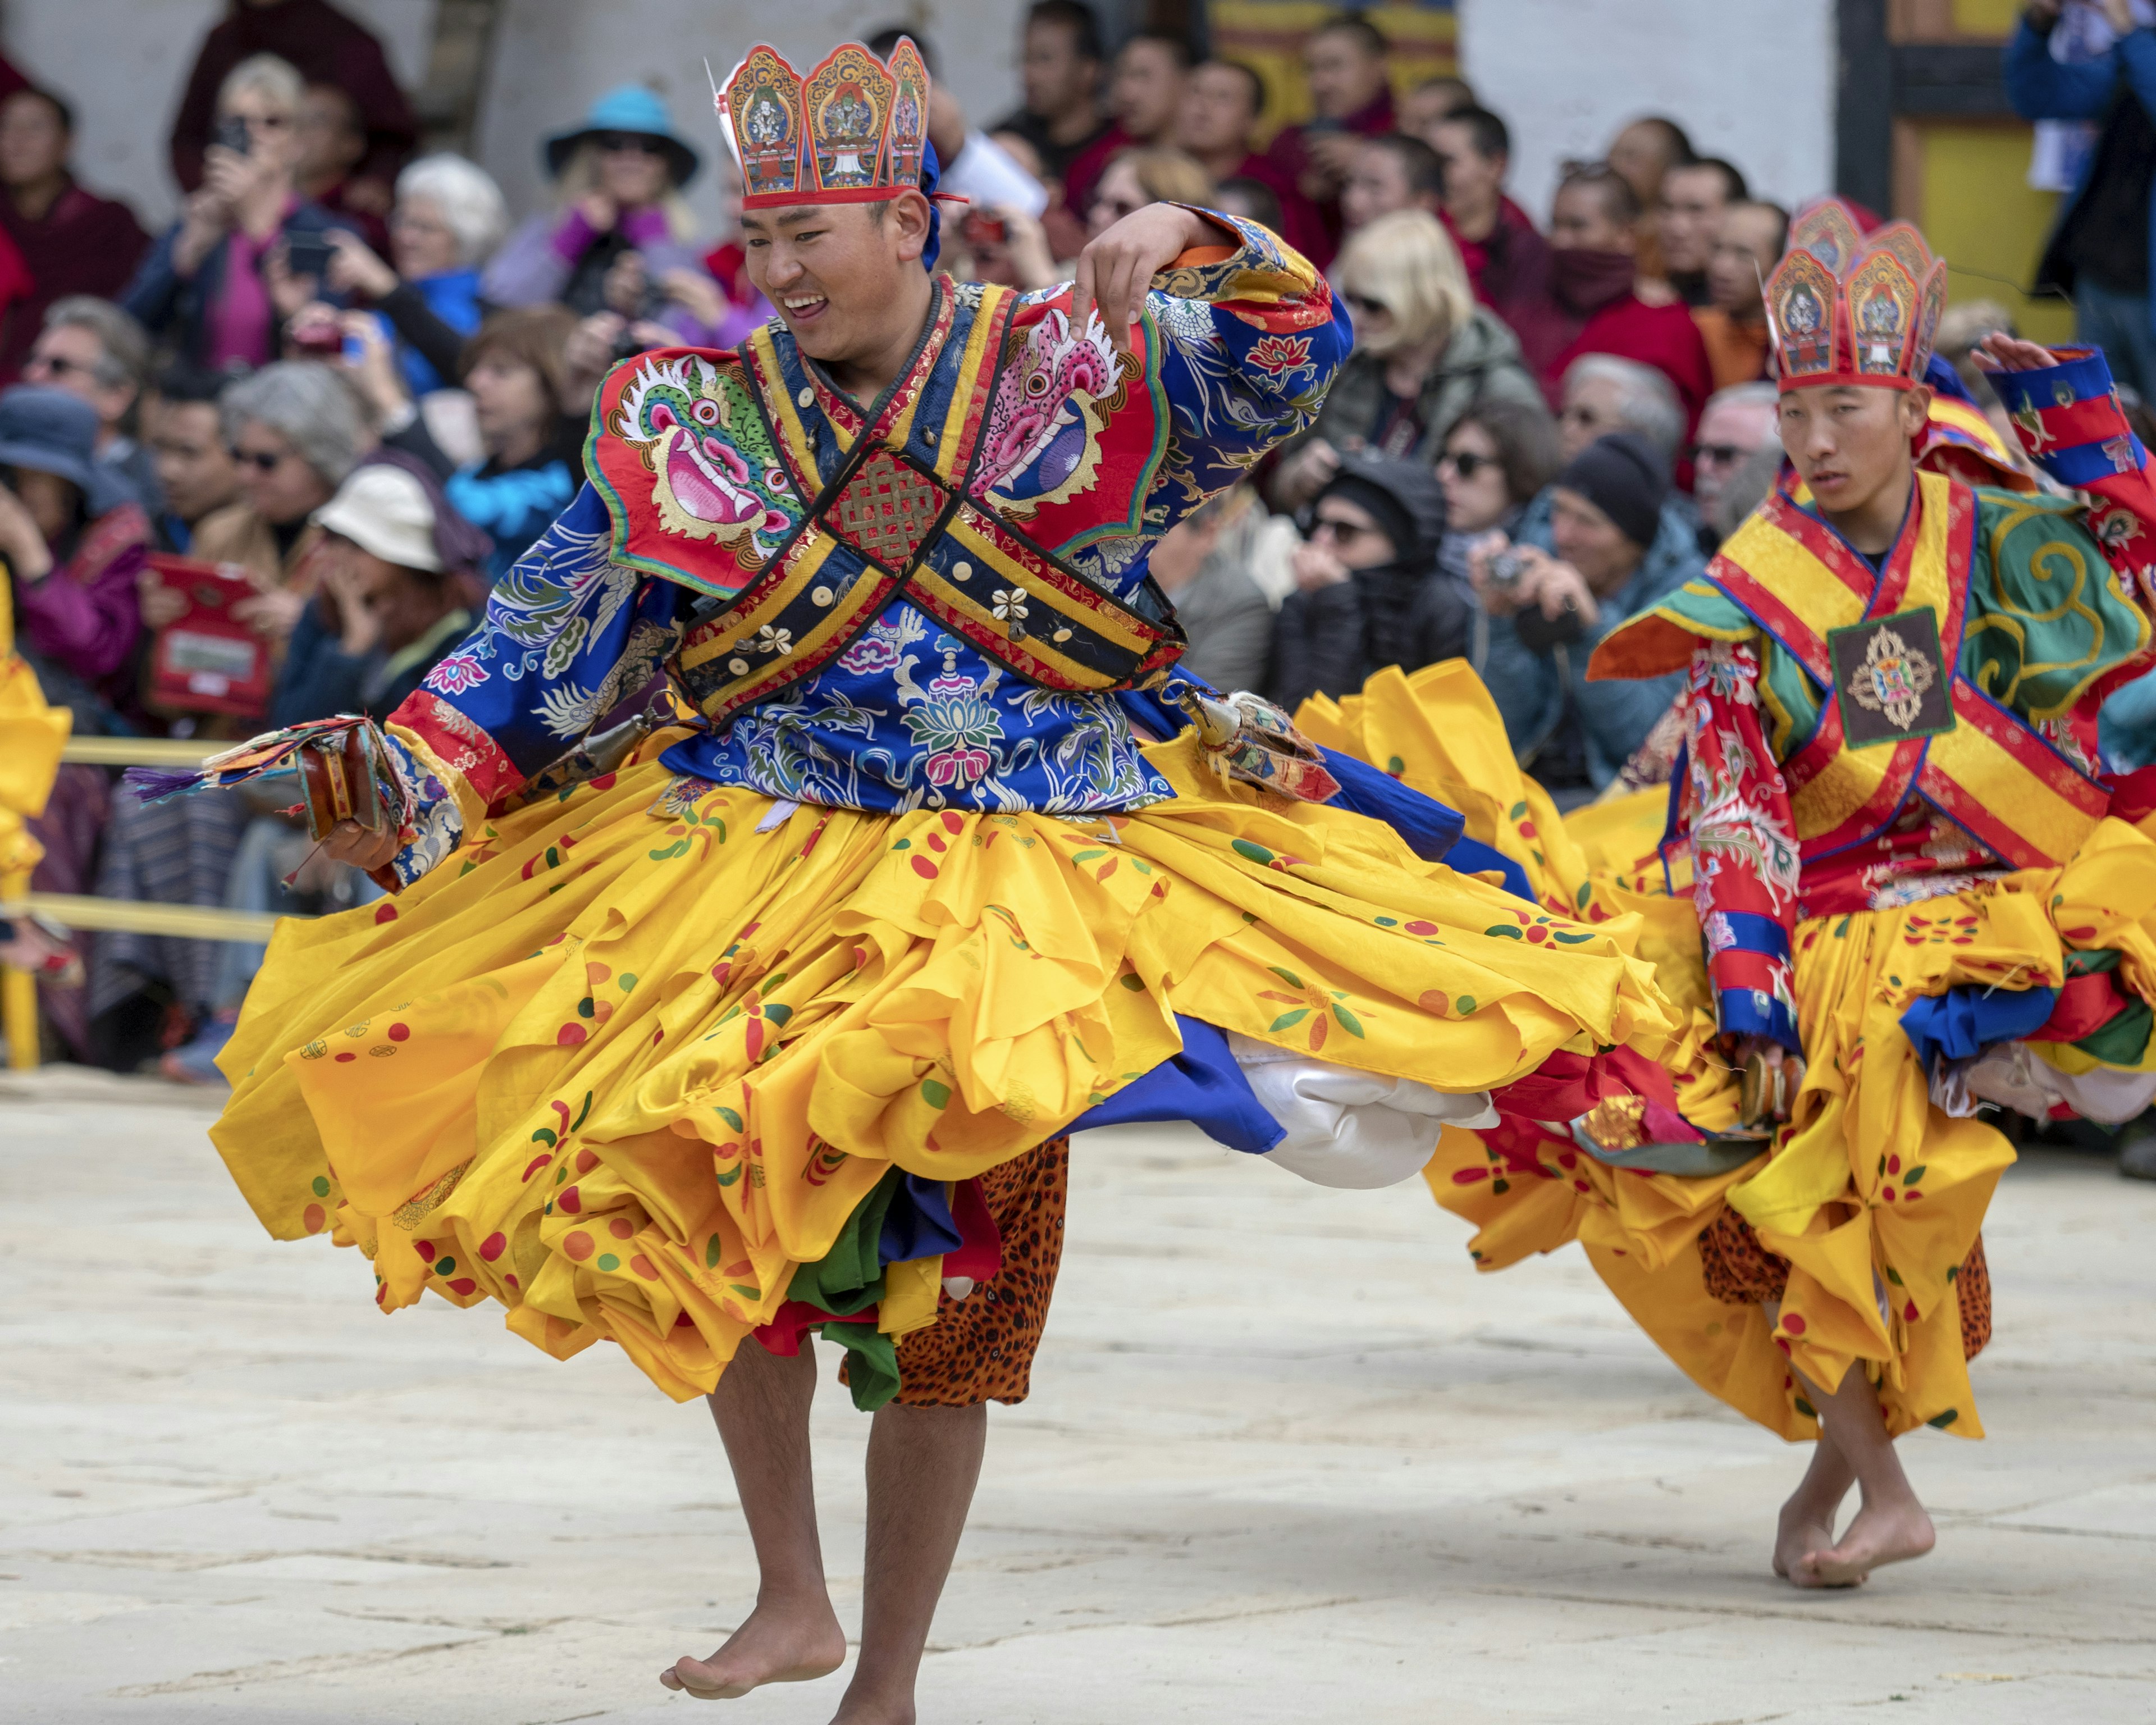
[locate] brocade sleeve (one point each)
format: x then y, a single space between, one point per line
568 634
1736 811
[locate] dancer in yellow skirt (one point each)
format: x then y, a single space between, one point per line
1918 893
775 1025
31 735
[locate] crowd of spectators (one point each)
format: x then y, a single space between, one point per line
330 405
264 466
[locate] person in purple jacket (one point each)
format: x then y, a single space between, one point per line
621 239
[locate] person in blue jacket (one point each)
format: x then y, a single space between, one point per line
2100 249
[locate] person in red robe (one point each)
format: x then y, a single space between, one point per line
70 241
1507 257
1344 64
1152 72
326 47
1220 110
1590 306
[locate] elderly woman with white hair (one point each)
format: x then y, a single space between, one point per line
1425 353
295 431
449 219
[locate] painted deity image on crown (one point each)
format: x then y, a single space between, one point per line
849 100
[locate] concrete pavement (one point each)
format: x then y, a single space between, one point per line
1287 1459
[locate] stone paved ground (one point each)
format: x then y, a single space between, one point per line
1287 1459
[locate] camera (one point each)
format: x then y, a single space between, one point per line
1507 566
234 135
307 255
318 341
629 344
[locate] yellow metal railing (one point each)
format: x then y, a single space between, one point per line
18 989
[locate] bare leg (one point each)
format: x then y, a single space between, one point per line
1806 1524
923 1464
1890 1525
761 1408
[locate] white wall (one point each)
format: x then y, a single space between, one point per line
1750 80
124 64
552 59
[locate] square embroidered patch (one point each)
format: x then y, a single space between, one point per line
886 510
1890 678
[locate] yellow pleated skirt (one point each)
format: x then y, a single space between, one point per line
628 1058
1875 1195
31 735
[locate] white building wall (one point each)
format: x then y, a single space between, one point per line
1751 81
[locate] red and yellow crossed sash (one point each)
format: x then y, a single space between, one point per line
1990 774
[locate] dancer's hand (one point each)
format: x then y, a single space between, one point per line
1115 271
1999 352
349 842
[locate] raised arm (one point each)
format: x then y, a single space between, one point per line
1250 336
2067 414
2040 88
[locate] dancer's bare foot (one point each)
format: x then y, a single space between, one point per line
1806 1523
780 1643
857 1710
1803 1530
1886 1534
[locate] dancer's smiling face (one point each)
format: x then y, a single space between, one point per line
839 274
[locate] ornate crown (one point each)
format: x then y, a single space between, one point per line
1845 308
850 132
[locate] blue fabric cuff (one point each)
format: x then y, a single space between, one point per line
1430 829
1754 933
1748 1012
1426 825
2087 377
1472 857
1963 1022
1202 1085
2080 466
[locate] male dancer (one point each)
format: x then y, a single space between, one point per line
777 1027
1917 888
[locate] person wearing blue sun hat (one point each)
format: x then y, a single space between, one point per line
72 539
619 239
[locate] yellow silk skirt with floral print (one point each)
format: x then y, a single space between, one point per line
626 1061
1874 1195
31 735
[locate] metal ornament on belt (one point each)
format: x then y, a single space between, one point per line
1247 738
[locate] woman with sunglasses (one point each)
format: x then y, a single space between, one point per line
1496 458
294 433
621 237
1425 353
220 280
1134 178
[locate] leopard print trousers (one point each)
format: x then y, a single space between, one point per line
1740 1272
981 1348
